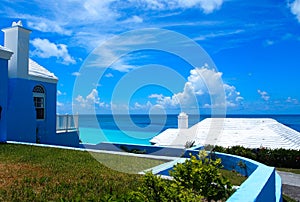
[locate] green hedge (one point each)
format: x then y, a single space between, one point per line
284 158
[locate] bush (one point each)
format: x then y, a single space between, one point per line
285 158
195 179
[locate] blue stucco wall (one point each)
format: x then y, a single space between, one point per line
21 116
3 98
69 138
21 124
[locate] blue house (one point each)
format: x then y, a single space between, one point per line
27 95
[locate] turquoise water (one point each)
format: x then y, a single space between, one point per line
105 128
94 136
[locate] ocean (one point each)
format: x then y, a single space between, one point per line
139 129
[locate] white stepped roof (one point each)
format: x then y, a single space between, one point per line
37 70
227 132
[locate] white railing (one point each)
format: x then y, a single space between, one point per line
66 122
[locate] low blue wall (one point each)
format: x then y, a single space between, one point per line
69 138
145 149
263 183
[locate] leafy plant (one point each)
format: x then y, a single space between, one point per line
197 178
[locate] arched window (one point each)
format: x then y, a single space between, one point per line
39 102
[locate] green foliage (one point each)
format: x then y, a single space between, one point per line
285 158
197 178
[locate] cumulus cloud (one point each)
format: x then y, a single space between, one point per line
203 85
138 106
90 101
264 95
46 49
295 9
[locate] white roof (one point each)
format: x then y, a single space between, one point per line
227 132
37 70
4 48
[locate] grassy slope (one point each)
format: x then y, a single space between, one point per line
35 173
30 173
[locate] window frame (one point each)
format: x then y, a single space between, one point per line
39 102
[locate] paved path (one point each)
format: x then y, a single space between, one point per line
290 184
289 178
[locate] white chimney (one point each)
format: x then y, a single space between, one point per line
16 39
183 121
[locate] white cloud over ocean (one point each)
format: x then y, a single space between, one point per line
264 95
203 84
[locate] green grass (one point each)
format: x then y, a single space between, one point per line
29 173
287 198
234 177
290 170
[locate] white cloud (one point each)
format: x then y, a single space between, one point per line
60 93
295 9
109 75
76 74
98 9
264 95
203 85
292 100
46 49
233 97
59 104
90 101
134 19
156 96
218 34
208 6
269 42
45 25
138 106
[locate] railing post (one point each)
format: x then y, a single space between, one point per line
67 122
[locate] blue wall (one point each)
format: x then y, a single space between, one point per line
146 149
21 116
3 98
70 139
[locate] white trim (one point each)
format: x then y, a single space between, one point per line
5 53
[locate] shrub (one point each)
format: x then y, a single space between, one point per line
285 158
197 178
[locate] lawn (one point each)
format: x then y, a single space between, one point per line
30 173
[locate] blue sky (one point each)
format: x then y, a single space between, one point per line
254 46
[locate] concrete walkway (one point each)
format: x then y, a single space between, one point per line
290 178
290 184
